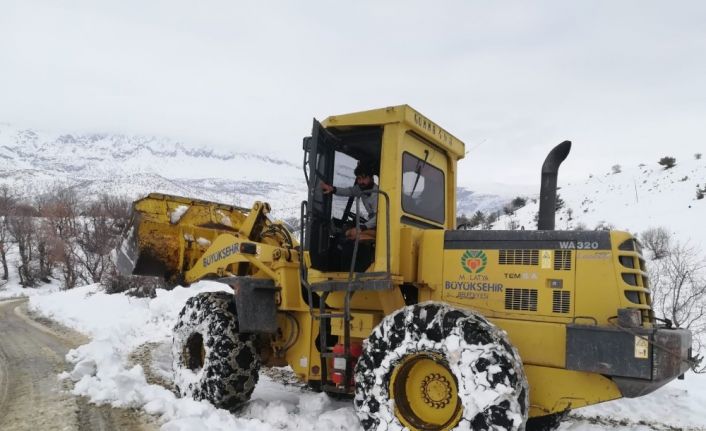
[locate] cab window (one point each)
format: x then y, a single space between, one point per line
422 189
343 176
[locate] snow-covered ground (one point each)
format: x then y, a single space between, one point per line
118 325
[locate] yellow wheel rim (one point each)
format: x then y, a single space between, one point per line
425 393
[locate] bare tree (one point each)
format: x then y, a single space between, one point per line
7 202
679 288
62 253
656 240
95 241
98 235
60 207
22 228
117 209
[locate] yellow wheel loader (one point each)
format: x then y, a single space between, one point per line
426 326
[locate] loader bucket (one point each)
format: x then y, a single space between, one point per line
165 232
135 257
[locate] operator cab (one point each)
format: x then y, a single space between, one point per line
331 156
414 165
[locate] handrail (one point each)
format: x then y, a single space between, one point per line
357 227
303 276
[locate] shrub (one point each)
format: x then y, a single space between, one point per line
697 156
603 225
616 169
132 285
667 162
657 241
519 202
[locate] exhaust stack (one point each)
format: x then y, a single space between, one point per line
547 193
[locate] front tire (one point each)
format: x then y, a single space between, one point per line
433 367
211 360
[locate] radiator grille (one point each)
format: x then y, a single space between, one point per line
561 301
562 260
521 299
519 257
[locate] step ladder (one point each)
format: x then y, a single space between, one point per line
357 281
360 282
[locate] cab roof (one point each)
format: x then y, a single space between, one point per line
410 117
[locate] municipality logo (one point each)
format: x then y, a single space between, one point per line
474 261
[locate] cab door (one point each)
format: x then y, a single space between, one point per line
320 154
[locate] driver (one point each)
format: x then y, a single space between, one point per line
364 182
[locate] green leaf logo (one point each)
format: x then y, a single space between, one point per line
474 261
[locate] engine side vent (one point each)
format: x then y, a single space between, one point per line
561 301
518 257
562 260
521 299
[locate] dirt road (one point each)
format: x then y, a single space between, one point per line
31 397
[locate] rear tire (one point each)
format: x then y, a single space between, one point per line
433 367
211 360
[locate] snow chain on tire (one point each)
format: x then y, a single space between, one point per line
547 423
212 361
482 368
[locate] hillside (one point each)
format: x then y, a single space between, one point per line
635 199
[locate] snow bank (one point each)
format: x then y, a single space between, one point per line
118 324
12 289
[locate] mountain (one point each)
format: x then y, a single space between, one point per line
34 161
132 166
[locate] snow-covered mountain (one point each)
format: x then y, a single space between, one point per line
132 166
33 161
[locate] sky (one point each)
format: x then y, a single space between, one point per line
623 80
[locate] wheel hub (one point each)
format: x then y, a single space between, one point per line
436 391
425 393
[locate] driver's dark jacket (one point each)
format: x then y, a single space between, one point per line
370 202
